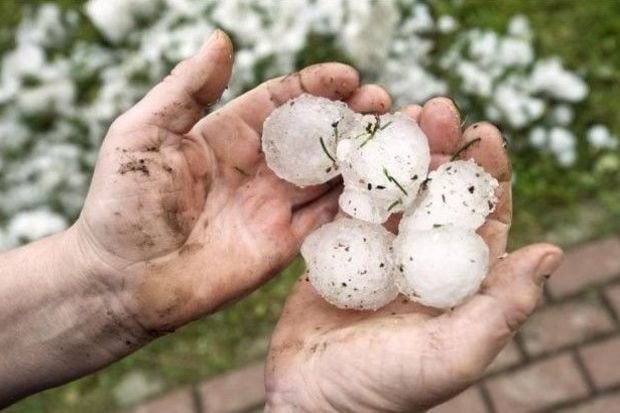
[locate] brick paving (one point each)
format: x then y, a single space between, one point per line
565 359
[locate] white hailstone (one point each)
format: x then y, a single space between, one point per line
117 18
32 225
599 137
350 264
516 105
447 24
474 78
441 267
562 144
562 115
483 47
383 162
458 193
551 78
515 52
55 94
519 26
300 138
538 137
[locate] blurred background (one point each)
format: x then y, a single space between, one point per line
546 72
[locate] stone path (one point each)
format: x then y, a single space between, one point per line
565 359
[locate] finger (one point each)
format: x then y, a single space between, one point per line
490 154
315 214
495 229
370 99
334 81
177 102
484 324
413 111
488 150
234 132
297 196
441 122
233 142
301 196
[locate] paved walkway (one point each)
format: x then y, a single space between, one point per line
565 359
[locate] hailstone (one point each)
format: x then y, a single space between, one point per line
458 193
440 267
383 161
355 263
300 137
350 264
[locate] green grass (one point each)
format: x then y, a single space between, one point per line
566 206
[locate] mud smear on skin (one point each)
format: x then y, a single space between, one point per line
171 216
134 166
164 294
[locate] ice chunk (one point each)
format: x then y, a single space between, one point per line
299 139
383 162
440 267
458 193
350 264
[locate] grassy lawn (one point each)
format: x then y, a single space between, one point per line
565 206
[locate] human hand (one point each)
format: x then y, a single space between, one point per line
183 215
406 357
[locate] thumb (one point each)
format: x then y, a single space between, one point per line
510 294
177 102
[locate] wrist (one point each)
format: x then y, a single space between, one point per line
275 404
69 319
289 393
104 278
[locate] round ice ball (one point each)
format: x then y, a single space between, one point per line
350 264
440 267
383 161
299 139
458 193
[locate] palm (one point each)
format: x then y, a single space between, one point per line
404 357
185 211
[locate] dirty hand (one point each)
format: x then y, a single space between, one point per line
406 357
183 215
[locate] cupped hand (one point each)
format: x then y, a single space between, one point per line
183 215
406 357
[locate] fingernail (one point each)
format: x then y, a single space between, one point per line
456 105
548 265
214 37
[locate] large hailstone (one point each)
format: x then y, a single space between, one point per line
440 267
383 162
350 264
300 137
458 193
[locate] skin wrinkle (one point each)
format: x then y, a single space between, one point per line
316 385
231 158
296 78
99 251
